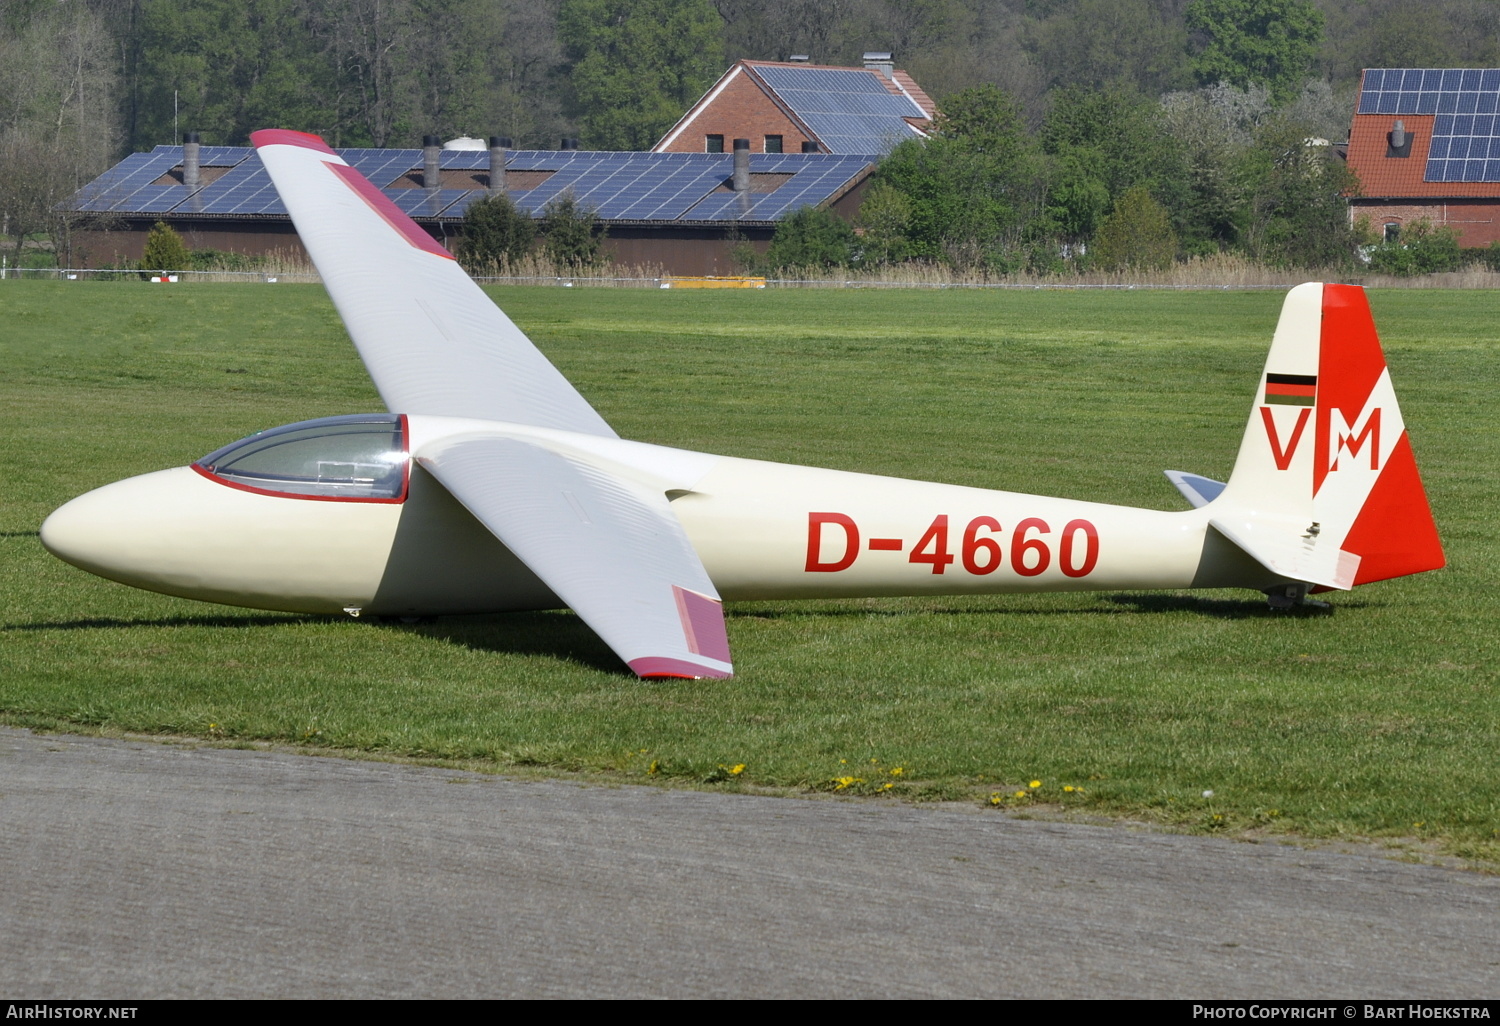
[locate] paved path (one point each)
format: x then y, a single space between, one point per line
135 869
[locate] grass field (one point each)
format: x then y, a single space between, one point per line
1379 720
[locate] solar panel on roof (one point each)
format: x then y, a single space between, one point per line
851 111
833 80
464 160
119 183
217 156
670 198
1463 100
422 202
661 187
817 178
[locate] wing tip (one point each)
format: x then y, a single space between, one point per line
651 667
289 137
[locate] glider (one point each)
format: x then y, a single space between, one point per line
492 485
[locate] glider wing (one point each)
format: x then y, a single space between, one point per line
431 340
612 549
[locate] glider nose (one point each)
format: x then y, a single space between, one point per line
114 530
80 531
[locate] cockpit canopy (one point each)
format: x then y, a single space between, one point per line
360 457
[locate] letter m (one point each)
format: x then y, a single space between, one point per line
1365 429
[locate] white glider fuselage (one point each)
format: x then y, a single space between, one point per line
762 530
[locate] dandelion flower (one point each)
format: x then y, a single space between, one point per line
736 769
1036 783
896 771
1068 788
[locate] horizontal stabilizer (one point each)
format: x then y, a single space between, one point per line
1199 491
1294 549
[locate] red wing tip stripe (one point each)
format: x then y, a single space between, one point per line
388 212
287 137
659 666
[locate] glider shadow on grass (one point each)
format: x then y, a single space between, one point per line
1219 608
558 635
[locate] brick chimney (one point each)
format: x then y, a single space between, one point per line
192 175
499 145
432 151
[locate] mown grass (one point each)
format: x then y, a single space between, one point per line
1381 719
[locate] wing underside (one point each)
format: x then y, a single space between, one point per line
610 548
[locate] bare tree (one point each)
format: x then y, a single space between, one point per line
58 118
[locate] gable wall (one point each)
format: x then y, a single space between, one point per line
741 111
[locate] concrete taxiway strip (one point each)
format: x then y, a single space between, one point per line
135 869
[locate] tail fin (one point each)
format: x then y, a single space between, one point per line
1325 489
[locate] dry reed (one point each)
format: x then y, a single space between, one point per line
1217 271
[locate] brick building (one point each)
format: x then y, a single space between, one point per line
1425 143
794 106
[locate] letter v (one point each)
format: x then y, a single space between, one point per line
1283 457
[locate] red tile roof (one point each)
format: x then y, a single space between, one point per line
1390 177
916 92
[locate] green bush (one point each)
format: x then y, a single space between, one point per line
1299 208
1421 249
971 188
33 259
812 237
496 235
884 216
1136 235
571 236
165 251
1484 256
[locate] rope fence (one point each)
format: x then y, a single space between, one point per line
564 281
1470 278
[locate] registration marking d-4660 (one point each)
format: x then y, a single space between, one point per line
1031 543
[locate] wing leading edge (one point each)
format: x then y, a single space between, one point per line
611 549
431 340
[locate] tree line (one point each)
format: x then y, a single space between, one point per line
1107 181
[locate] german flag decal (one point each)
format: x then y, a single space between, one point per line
1291 389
